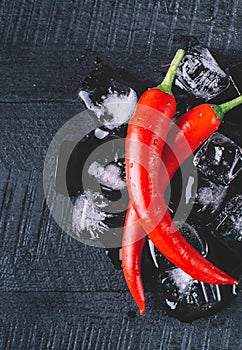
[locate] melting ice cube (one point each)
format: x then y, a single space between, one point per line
114 110
199 299
200 75
111 94
219 159
109 176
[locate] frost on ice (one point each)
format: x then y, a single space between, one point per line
88 215
200 74
182 280
210 196
115 108
109 176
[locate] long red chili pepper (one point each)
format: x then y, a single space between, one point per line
163 102
192 129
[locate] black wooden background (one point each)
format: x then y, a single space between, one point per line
55 292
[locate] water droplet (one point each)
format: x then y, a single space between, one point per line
200 114
84 138
155 141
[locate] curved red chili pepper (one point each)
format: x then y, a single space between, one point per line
153 98
192 129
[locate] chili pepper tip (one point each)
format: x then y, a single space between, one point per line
142 312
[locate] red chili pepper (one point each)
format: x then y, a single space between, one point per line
192 129
161 100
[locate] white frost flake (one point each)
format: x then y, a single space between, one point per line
87 214
218 154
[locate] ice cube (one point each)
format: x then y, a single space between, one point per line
200 75
231 127
115 108
228 224
219 159
112 94
196 299
80 155
109 176
104 77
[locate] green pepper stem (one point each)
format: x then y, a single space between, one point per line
171 73
227 106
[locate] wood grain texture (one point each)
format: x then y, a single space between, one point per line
28 128
55 292
130 27
106 320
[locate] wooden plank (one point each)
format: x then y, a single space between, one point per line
49 48
129 27
107 321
